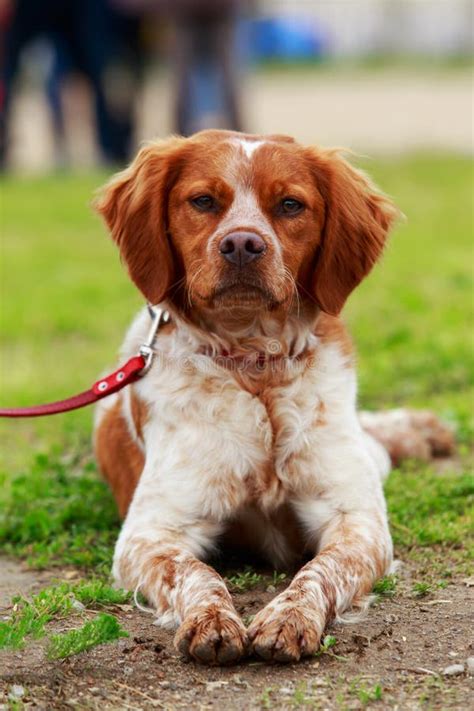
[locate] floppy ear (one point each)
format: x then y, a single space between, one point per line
134 206
357 221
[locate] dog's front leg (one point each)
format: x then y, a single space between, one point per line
355 550
160 559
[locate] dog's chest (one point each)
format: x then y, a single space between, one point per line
247 439
294 411
275 436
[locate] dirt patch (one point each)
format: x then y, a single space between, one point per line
16 578
394 658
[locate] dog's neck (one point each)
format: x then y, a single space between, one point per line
233 333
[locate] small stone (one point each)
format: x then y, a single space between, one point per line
211 685
164 684
77 605
319 682
452 654
238 680
16 692
470 665
453 670
286 691
94 690
271 589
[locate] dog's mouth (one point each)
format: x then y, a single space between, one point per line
242 295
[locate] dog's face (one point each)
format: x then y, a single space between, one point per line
223 219
244 217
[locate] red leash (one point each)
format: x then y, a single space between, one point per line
131 371
112 383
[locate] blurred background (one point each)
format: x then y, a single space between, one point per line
84 81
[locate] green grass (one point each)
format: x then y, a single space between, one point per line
421 589
30 623
101 630
58 511
66 301
431 510
30 617
265 698
369 64
327 644
367 695
386 587
65 304
247 579
412 318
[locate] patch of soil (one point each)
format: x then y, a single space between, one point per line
18 579
402 646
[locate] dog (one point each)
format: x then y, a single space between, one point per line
245 429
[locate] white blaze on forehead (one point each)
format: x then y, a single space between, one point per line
249 147
245 212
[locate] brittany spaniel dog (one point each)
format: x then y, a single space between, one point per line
245 429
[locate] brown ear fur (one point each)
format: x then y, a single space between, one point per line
134 206
357 222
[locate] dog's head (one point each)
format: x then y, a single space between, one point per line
228 220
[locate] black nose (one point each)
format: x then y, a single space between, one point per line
240 248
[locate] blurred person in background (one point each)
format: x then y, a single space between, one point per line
204 57
86 36
100 40
207 66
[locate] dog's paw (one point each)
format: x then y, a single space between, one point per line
285 632
212 635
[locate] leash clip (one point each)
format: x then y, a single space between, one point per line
159 317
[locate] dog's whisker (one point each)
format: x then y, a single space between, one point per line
195 269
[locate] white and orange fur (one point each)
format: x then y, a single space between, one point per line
246 427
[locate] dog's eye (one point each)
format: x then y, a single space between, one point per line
205 203
290 206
